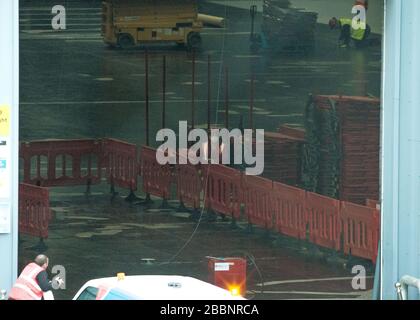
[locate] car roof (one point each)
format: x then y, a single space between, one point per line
162 287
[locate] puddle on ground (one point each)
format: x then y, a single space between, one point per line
155 226
230 111
182 214
286 115
262 112
86 218
275 82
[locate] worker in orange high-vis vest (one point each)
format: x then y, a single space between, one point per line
33 281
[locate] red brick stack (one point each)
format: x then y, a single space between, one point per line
358 140
281 158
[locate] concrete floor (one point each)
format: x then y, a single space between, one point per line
72 86
94 237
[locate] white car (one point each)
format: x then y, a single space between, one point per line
153 288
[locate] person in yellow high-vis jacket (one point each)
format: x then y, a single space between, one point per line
348 33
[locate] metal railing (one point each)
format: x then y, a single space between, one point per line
403 284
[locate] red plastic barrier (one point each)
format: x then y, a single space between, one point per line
258 203
289 210
34 210
120 160
323 217
66 151
189 185
373 204
156 177
224 188
360 230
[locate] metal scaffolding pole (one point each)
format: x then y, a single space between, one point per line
400 246
9 117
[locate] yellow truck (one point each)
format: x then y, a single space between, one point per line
127 23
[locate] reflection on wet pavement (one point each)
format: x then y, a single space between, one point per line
82 89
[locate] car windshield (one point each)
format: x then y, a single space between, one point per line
88 294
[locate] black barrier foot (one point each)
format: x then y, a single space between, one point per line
40 247
350 262
132 197
148 200
182 207
113 196
195 215
112 191
211 216
250 228
233 224
267 234
315 252
165 204
88 192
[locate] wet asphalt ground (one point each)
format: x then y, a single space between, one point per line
73 86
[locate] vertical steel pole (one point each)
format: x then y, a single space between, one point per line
251 104
164 93
400 245
9 133
193 91
208 93
146 88
226 98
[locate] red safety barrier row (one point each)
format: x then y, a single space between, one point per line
224 190
323 216
304 215
34 210
156 177
271 205
258 201
61 162
189 184
360 230
120 161
289 210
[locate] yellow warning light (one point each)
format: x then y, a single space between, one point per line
234 291
120 276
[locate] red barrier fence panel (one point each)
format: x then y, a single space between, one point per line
61 162
224 190
360 230
373 204
156 177
189 185
323 218
289 210
258 202
34 210
120 161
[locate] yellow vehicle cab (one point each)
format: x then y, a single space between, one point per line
127 23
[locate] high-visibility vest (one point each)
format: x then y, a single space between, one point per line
356 34
26 286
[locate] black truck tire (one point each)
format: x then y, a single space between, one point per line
125 41
193 41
